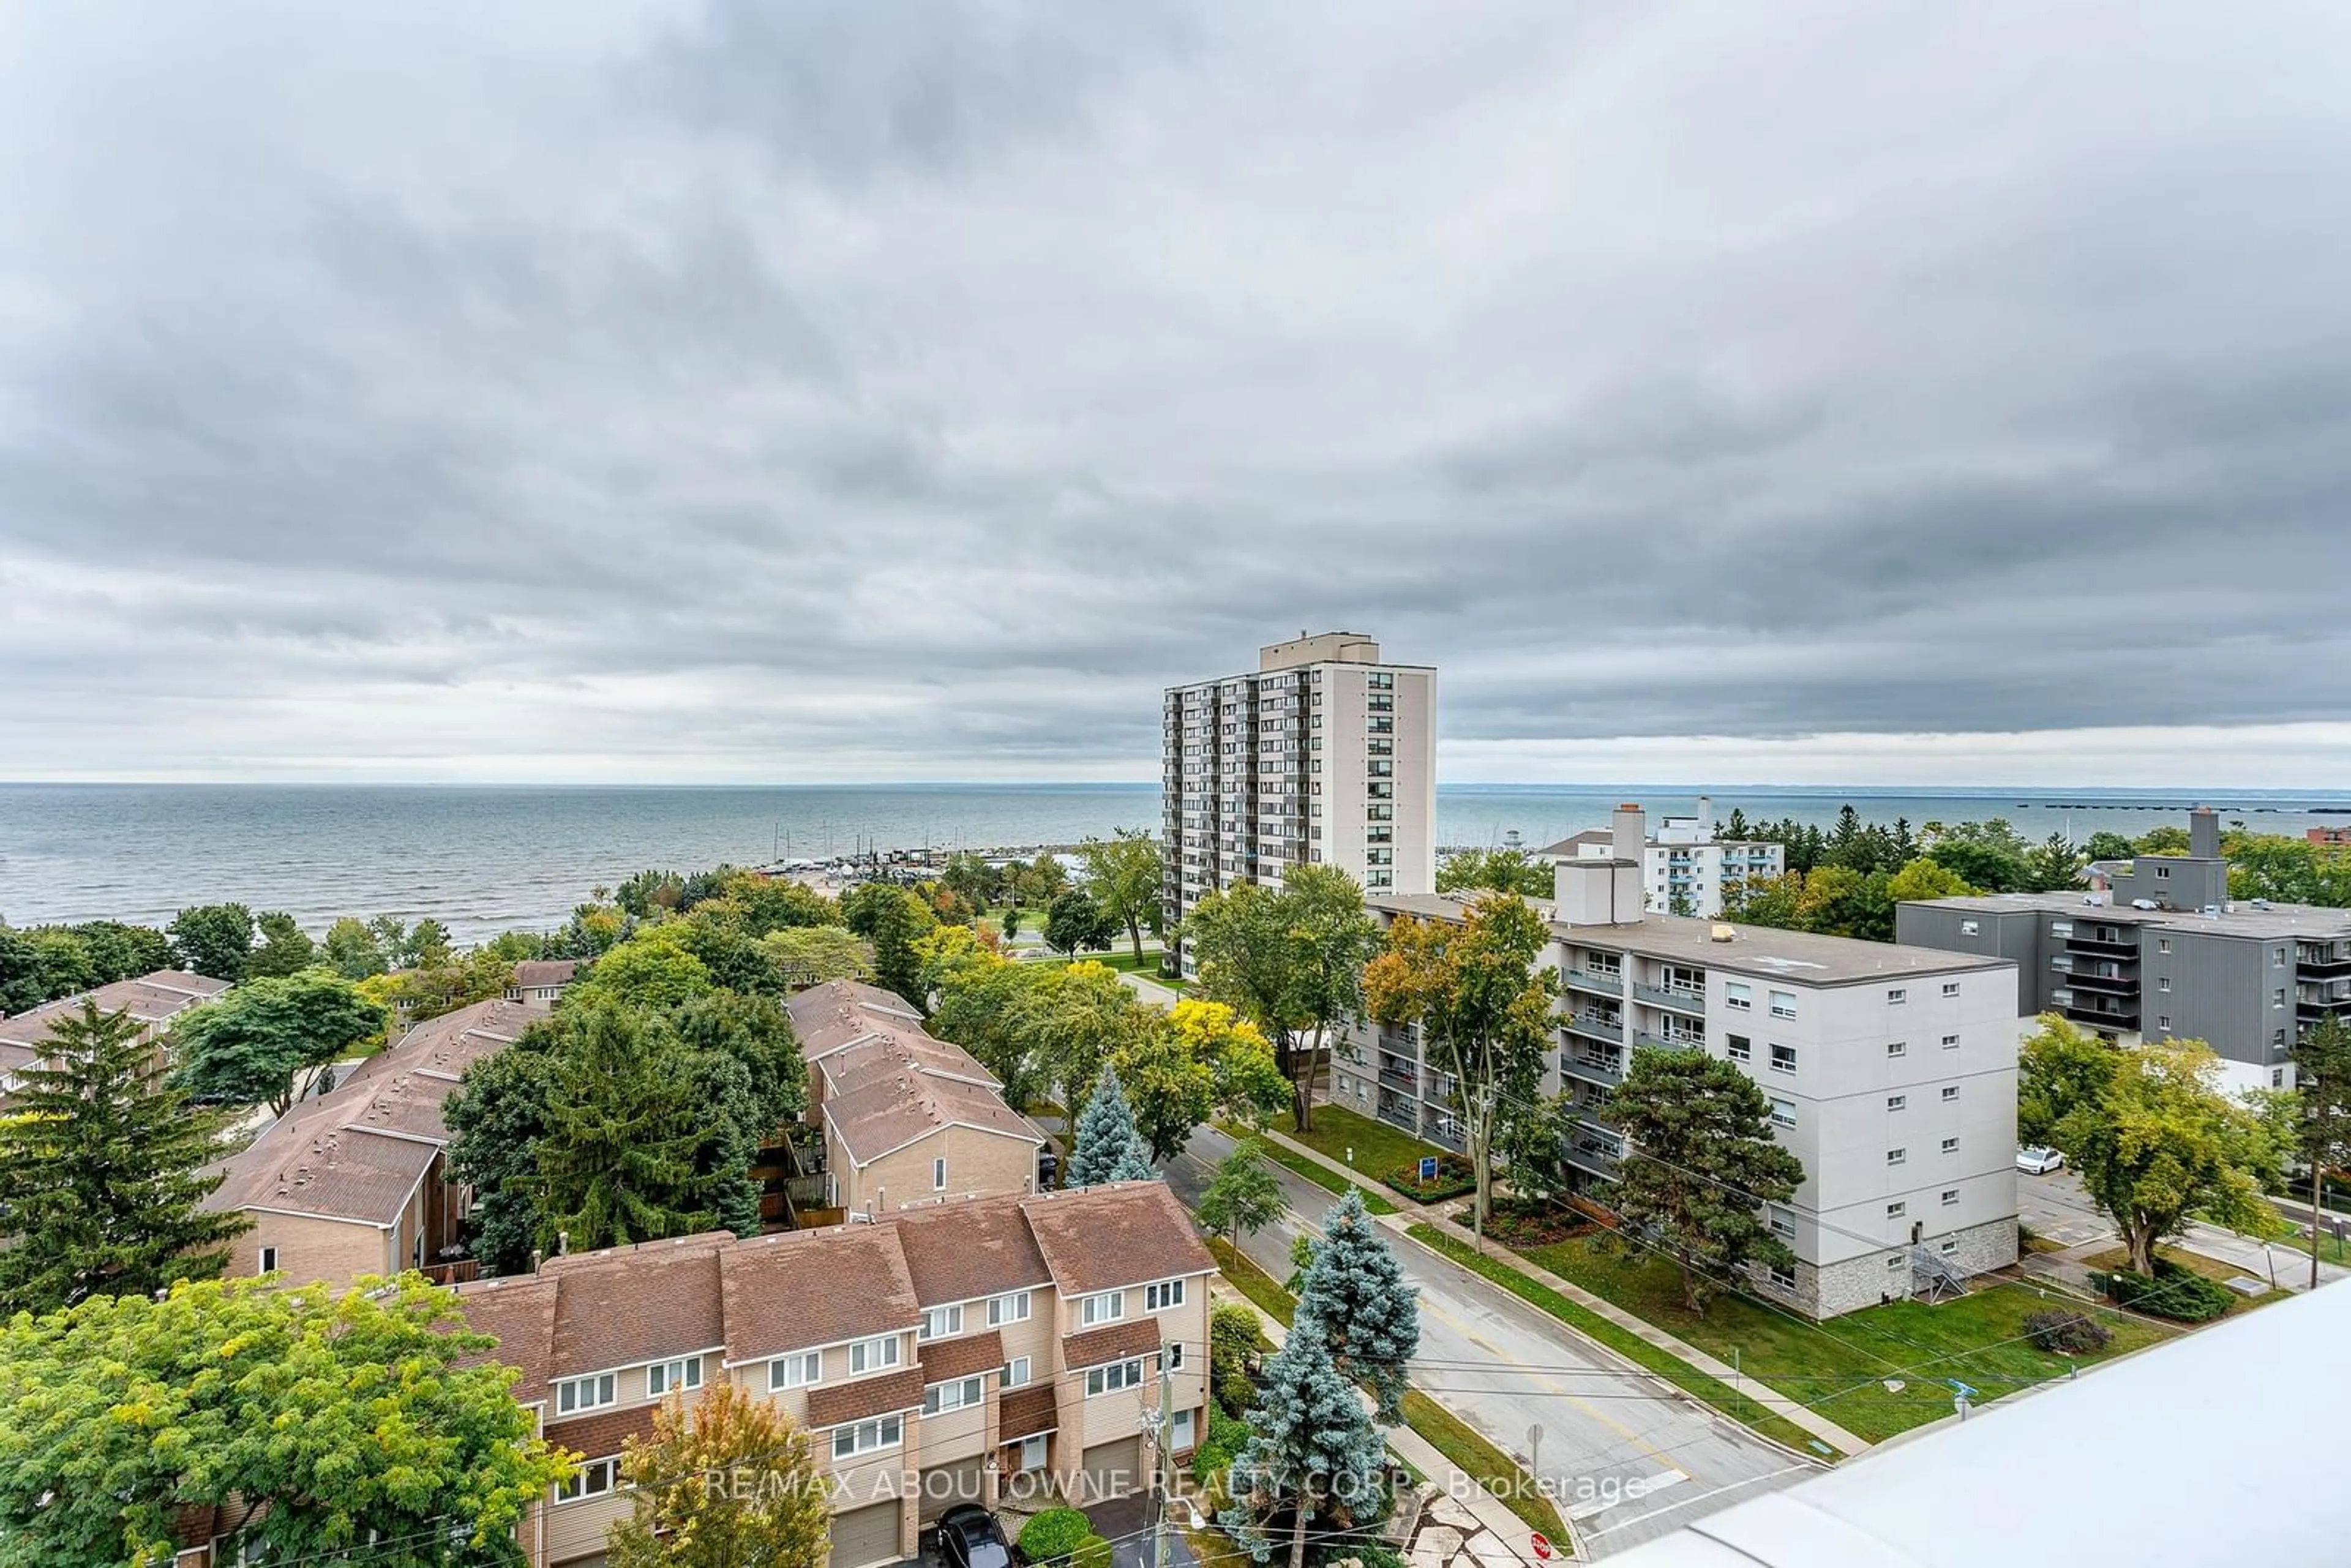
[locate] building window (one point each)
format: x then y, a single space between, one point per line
939 1322
1176 1356
2061 928
1950 987
1896 1101
938 1176
670 1376
1783 1059
1897 1048
962 1394
1783 1113
1894 1260
1167 1293
1897 1156
592 1478
2277 958
1784 1279
2163 1022
586 1393
1896 997
2163 983
1950 1145
2163 944
1011 1309
1949 1249
873 1355
1950 1042
1739 995
267 1263
1896 1210
1032 1453
1107 1308
1950 1093
1118 1375
2277 998
1784 1003
1950 1196
1968 927
1784 1224
1015 1373
868 1437
1739 1048
795 1371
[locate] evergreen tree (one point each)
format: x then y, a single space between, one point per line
737 1132
617 1163
1354 1295
102 1168
1699 1165
1312 1463
496 1118
1108 1147
2321 1111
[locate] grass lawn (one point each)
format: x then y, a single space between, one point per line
2118 1258
1626 1342
1379 1149
1126 963
2329 1249
1444 1431
1840 1367
1321 1176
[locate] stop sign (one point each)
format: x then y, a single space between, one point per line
1542 1544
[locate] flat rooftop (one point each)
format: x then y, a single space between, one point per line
2237 918
1761 951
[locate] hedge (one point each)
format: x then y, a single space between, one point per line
2178 1293
1054 1534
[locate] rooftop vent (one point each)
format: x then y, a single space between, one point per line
1723 932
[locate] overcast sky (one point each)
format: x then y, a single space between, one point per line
746 389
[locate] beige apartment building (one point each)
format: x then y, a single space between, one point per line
1325 755
955 1354
355 1182
906 1118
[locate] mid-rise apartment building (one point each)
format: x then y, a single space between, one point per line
1685 869
1891 1073
1324 754
2156 949
958 1353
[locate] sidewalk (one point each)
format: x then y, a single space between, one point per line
1778 1403
1487 1513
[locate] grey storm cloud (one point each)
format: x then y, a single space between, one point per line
888 390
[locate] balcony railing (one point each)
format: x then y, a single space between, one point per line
1586 980
1596 1026
1670 997
1402 1083
1669 1041
1592 1069
2118 1017
1398 1115
2123 945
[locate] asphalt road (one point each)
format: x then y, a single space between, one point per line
1626 1459
2056 1205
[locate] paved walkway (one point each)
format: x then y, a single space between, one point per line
1490 1514
1778 1403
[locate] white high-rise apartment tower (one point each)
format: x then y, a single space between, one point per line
1323 754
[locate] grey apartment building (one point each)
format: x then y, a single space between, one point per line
2156 949
1890 1071
1323 754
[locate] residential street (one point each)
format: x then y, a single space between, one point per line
1628 1459
2054 1206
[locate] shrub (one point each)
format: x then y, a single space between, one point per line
1233 1339
1453 1177
1372 1554
1226 1438
1093 1552
2174 1293
2065 1333
1054 1534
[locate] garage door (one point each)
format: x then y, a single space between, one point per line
948 1485
865 1536
1114 1470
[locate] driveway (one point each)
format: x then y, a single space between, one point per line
1626 1460
2056 1206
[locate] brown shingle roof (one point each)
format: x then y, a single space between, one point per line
1138 1336
519 1313
831 1404
943 1361
659 1302
1108 1237
601 1437
826 1017
958 1251
1027 1412
153 999
546 971
815 1287
888 1114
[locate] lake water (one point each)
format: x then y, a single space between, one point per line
483 860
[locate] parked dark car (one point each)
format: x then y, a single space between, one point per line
1049 1167
969 1537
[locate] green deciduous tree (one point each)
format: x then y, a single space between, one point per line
285 949
2155 1138
1923 879
353 951
726 1482
1243 1195
250 1045
1312 1465
495 1119
1075 922
1494 871
103 1167
348 1419
652 969
1122 876
1483 1006
213 940
2322 1112
1106 1146
1202 1058
806 956
1700 1164
120 952
1355 1296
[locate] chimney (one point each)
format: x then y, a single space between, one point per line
2204 834
1628 833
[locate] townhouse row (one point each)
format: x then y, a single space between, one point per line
963 1351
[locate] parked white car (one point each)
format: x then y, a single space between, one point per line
2038 1161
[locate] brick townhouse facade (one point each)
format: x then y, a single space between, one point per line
958 1353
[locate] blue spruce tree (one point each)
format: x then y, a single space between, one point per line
1108 1146
1313 1462
1354 1295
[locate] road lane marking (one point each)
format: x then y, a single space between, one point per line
1701 1497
